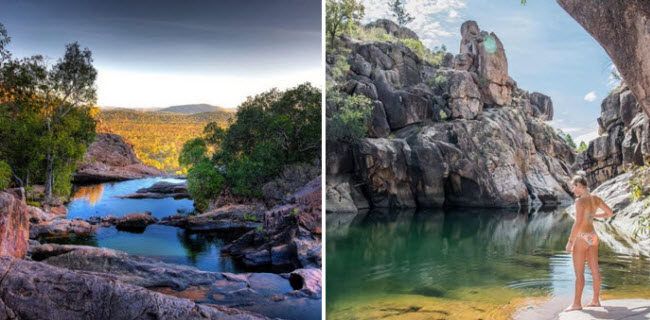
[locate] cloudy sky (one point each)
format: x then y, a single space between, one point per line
162 53
547 50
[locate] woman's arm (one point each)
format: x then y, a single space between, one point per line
574 230
602 205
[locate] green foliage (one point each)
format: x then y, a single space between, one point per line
438 80
443 115
352 119
33 203
340 68
250 217
294 212
340 16
260 228
193 152
371 34
270 130
426 55
398 11
204 183
642 228
638 181
583 146
569 141
158 137
5 175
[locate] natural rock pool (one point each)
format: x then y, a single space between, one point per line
165 243
459 264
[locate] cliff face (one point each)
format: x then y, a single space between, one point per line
110 158
461 133
624 139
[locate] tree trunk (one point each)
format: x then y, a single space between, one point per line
49 168
49 177
622 27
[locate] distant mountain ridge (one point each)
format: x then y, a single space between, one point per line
182 109
193 108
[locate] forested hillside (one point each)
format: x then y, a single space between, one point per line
158 137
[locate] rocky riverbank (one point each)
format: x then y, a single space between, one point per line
458 133
285 238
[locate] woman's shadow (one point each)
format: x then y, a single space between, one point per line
613 312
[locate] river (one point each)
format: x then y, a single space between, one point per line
459 264
165 243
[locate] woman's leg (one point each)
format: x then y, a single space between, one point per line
580 248
592 261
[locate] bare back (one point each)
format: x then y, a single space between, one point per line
590 206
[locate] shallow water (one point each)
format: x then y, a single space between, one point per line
165 243
460 263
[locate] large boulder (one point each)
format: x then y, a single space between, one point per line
483 54
60 227
35 290
14 223
110 158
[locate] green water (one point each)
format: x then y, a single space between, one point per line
458 255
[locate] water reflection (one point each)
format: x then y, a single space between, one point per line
437 253
101 200
91 193
165 243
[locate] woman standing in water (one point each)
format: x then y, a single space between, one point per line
583 242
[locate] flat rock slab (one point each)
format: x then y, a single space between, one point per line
637 309
612 309
35 290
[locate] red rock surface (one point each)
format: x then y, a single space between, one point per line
14 224
110 158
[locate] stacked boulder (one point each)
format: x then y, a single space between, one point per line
460 133
624 139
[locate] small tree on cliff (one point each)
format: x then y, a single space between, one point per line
582 147
569 141
398 11
340 15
